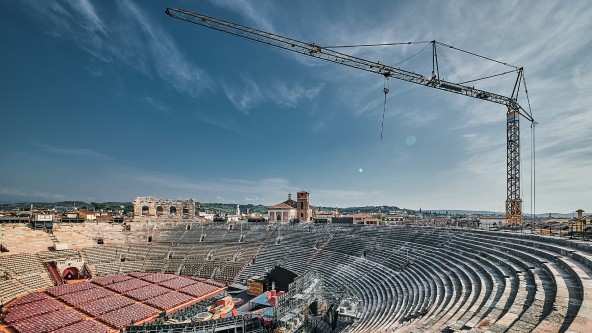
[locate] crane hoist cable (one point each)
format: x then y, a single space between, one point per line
443 56
533 172
532 158
412 56
386 91
373 45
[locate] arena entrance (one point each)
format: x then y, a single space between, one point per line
70 273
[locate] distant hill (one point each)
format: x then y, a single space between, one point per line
220 208
463 212
362 209
224 208
45 205
62 206
114 206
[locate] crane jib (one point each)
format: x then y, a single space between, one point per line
316 51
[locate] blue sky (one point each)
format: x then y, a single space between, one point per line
109 100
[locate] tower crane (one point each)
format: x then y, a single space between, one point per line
513 205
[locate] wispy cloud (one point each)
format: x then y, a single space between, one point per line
129 38
160 107
290 96
96 72
256 11
249 94
88 10
75 152
244 97
219 120
319 126
229 185
333 196
418 117
233 190
265 190
167 59
14 193
480 143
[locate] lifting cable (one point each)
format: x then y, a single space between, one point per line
521 189
449 65
386 91
477 55
532 172
372 45
532 154
418 52
488 77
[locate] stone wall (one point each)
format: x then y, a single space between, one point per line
19 238
165 208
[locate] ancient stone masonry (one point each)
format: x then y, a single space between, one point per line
153 207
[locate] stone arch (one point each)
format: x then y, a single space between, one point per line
164 207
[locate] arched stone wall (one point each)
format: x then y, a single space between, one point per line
170 208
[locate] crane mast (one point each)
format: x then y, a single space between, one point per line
514 110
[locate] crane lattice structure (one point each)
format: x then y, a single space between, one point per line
514 110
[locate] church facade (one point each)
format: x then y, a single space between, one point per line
290 210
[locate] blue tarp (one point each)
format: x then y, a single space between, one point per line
261 299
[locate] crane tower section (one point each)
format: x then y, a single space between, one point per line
513 201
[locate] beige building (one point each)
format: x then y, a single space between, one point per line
87 215
365 218
303 211
281 213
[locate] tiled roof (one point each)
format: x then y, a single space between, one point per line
281 206
291 203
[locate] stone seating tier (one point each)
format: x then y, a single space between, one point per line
409 278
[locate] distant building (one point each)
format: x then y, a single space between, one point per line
303 207
290 210
281 213
207 216
495 220
324 217
104 218
42 217
365 218
395 218
87 215
71 215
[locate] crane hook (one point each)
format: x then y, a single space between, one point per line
386 91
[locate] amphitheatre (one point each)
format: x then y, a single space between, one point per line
406 278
